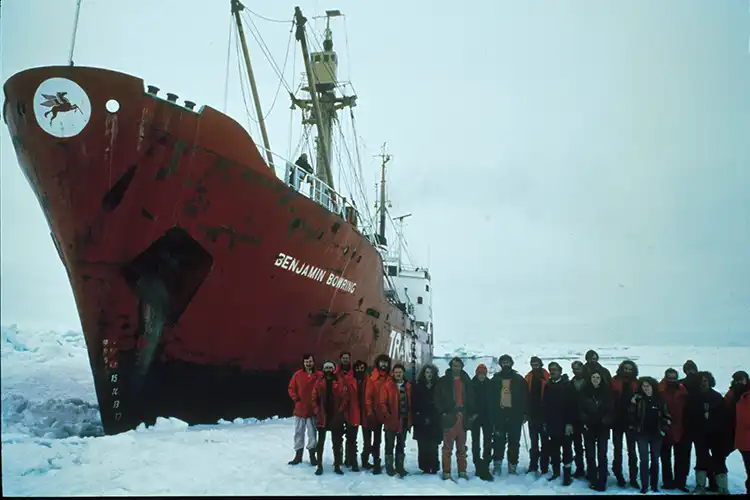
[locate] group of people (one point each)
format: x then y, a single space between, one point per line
570 420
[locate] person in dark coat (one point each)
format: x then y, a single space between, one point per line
624 386
360 377
508 403
428 431
595 411
454 398
592 365
674 395
482 424
650 420
577 382
705 422
692 383
331 399
559 412
536 380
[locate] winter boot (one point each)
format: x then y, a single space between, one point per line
463 475
319 469
620 479
389 465
555 473
700 482
376 466
400 466
446 476
355 465
484 471
512 468
722 483
567 476
313 457
713 486
654 480
634 483
297 458
497 467
366 465
337 461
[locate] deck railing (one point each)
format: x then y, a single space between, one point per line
314 188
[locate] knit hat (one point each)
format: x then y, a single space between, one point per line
689 365
329 363
481 367
535 359
504 357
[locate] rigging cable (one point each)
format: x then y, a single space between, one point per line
282 81
266 18
229 52
291 109
242 88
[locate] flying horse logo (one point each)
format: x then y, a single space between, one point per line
58 104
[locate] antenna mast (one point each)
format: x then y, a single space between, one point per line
321 69
237 7
385 158
401 236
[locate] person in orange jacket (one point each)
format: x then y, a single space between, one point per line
300 390
351 424
536 380
378 378
331 398
394 410
674 394
738 402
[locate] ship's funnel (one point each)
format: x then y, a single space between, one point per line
189 104
153 90
171 97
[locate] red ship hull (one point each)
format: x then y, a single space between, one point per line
200 278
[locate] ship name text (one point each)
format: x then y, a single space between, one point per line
296 266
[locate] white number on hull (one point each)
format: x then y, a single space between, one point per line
395 349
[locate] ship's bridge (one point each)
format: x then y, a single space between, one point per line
411 287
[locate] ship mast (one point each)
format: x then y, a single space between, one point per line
384 158
237 7
321 69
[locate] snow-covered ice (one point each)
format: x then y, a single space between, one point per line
53 445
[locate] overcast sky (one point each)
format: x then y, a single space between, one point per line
576 170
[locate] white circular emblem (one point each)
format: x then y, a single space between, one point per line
61 107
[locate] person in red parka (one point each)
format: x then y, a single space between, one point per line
351 424
300 390
674 395
379 377
331 398
394 410
738 401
